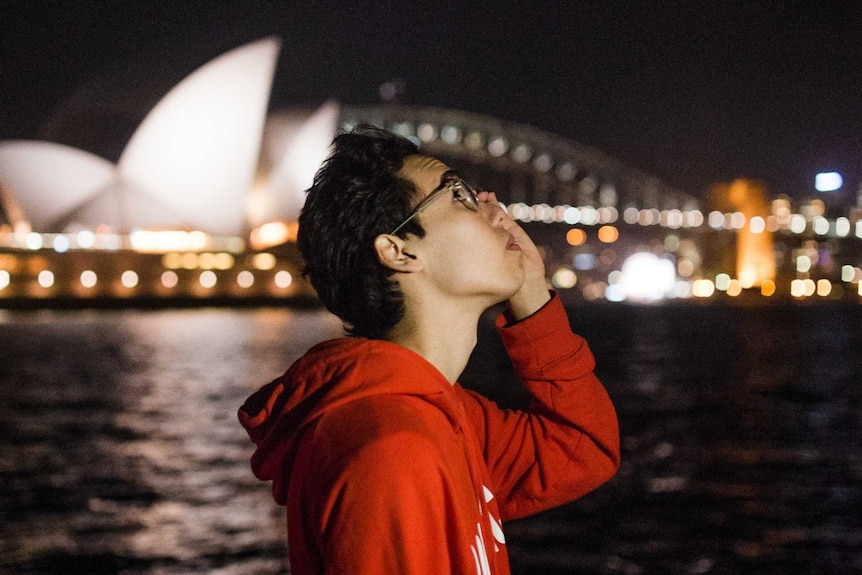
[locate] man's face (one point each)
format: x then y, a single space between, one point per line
464 253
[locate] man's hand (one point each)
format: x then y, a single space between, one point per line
534 291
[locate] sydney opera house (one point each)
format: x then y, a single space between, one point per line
202 205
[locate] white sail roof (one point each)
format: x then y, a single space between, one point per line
294 145
197 151
189 165
49 181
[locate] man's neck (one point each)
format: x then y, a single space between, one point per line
444 335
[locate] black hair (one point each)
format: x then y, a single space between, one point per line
357 196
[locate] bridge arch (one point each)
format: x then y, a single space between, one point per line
523 163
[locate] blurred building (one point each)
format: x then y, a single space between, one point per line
203 200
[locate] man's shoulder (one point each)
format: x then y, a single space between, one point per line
379 416
379 431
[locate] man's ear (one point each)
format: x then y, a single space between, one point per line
390 252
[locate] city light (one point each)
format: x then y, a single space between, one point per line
61 243
757 225
589 215
682 289
820 225
263 261
170 279
564 278
576 237
34 241
498 147
595 290
608 234
283 279
672 219
693 219
615 292
842 227
245 279
88 278
208 279
798 223
702 288
158 242
748 277
46 278
802 288
813 261
270 234
734 287
189 261
584 261
641 248
828 181
86 239
646 277
129 279
684 267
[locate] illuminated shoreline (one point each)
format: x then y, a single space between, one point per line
54 271
156 303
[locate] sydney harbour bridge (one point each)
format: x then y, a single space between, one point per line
590 213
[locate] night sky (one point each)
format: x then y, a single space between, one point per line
692 92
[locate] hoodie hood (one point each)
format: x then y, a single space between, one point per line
328 376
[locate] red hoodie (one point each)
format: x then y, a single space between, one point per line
386 468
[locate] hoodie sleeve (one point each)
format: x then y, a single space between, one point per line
567 444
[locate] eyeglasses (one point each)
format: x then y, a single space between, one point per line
461 191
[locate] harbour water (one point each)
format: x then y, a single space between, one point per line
741 430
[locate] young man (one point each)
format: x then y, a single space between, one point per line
386 464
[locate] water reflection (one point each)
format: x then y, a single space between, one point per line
121 448
741 430
742 450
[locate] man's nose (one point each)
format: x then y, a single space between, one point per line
493 212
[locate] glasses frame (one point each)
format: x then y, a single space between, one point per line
452 182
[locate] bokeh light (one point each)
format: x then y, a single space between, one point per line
263 261
88 278
828 181
564 278
283 279
45 278
646 277
245 279
608 234
702 288
169 279
129 279
208 279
